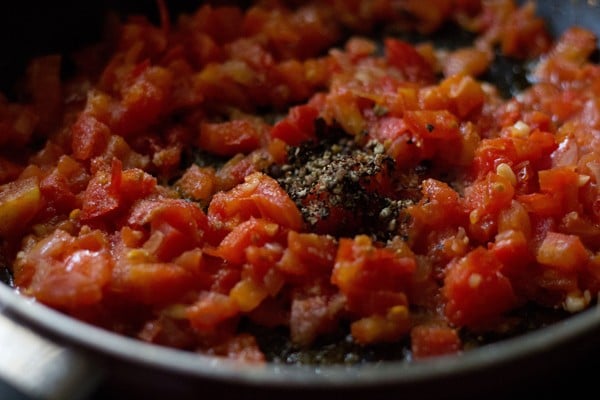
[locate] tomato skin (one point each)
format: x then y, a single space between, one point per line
359 264
475 289
558 193
150 283
181 214
439 208
562 183
55 189
141 275
511 248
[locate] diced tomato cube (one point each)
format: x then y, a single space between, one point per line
230 138
298 126
561 251
20 200
259 196
475 289
434 340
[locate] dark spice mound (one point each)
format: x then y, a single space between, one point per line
342 188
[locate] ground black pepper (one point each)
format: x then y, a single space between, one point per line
331 178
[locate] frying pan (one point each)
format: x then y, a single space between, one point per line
47 355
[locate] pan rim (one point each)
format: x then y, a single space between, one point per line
398 373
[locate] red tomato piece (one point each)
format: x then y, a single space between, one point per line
20 200
433 124
253 232
408 60
66 271
475 289
109 191
308 254
144 100
89 137
230 138
492 152
371 277
433 340
259 196
210 310
175 225
564 252
298 126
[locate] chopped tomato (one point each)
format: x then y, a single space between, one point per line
476 290
432 124
259 196
174 226
390 327
371 277
253 232
197 183
298 126
308 254
19 202
407 59
210 310
434 340
565 252
230 138
65 271
89 137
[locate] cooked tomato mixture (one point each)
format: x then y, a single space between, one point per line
305 168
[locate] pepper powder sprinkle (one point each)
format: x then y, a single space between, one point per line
329 178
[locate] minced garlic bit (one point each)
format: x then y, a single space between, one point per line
582 180
520 130
474 216
475 280
74 214
506 171
577 301
138 255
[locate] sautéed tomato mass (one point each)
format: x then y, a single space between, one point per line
303 167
